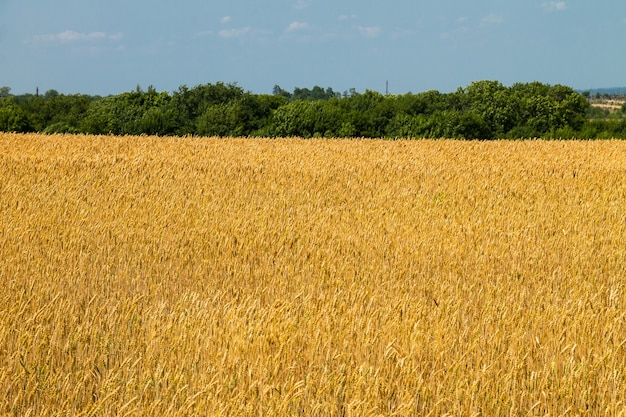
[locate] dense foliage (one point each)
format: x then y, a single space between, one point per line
483 110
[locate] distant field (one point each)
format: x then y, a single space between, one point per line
238 277
607 104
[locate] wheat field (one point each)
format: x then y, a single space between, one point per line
146 276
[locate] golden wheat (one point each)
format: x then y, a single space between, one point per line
234 277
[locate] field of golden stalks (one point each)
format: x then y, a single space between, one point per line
146 276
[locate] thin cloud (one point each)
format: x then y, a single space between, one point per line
70 36
554 6
400 33
301 5
462 27
244 34
236 33
456 33
345 17
296 26
491 19
369 31
226 19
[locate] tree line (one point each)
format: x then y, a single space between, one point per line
482 110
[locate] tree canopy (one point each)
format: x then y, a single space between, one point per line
482 110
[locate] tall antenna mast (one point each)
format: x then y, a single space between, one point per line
387 88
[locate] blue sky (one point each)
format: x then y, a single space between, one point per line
110 46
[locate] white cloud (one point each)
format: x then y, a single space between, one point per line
116 37
554 6
369 31
491 19
345 17
453 34
226 19
295 26
235 33
70 36
301 4
400 33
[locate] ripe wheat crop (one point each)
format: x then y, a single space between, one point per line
150 276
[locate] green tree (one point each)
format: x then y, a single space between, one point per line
277 91
404 125
317 93
64 113
157 120
471 125
544 108
219 120
571 107
493 103
131 113
13 118
433 101
308 119
190 103
369 113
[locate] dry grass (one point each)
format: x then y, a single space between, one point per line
154 276
607 104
